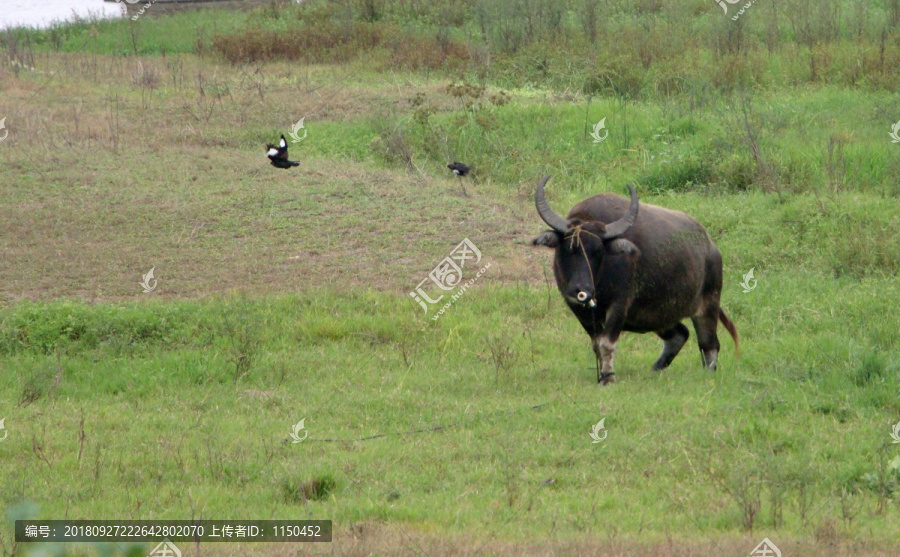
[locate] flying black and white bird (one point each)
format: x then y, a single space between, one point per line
278 155
460 170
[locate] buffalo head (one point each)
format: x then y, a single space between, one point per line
581 245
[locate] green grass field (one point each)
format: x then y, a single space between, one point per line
284 295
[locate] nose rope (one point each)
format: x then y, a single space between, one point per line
575 239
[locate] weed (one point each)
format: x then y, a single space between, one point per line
241 325
318 488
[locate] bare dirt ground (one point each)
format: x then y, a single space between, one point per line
124 166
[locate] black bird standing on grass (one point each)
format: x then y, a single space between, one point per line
278 155
460 170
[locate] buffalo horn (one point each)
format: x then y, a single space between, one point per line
616 229
555 221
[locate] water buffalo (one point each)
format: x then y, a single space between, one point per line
643 271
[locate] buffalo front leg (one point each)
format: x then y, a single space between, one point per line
605 350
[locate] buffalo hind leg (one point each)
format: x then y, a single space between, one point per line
673 339
705 326
605 350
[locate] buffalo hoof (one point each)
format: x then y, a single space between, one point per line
607 377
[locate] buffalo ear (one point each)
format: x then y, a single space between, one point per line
549 238
621 246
